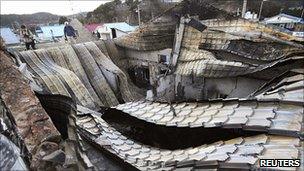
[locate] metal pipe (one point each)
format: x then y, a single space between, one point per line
261 8
244 8
138 13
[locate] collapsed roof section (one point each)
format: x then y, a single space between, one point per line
223 46
232 48
271 117
81 71
159 33
93 75
241 153
286 87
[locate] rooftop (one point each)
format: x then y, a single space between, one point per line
283 18
122 26
8 36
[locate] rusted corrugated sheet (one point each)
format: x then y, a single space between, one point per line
32 122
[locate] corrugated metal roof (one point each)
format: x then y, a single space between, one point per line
8 36
122 26
46 31
92 27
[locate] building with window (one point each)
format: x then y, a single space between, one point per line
291 23
113 30
50 33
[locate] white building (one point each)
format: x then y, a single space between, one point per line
251 16
113 30
294 25
286 21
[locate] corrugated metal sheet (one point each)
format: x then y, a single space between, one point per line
83 73
58 31
26 112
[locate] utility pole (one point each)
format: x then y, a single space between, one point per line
244 8
261 8
138 13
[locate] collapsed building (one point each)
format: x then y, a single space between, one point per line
195 88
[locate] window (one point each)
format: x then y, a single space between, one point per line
113 33
140 76
163 59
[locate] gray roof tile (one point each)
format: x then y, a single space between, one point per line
236 153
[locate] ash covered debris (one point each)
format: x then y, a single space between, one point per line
203 71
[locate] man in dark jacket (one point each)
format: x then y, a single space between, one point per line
69 33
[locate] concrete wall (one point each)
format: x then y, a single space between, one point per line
151 56
148 59
120 33
176 87
199 88
106 33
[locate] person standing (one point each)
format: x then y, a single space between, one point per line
52 34
27 37
69 33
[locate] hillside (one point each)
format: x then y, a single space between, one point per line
126 11
36 18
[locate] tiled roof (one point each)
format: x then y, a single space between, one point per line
21 103
242 153
158 34
277 19
275 118
153 36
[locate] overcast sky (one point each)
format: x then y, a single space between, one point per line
54 7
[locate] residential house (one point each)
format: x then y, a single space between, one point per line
291 23
50 33
113 30
92 27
